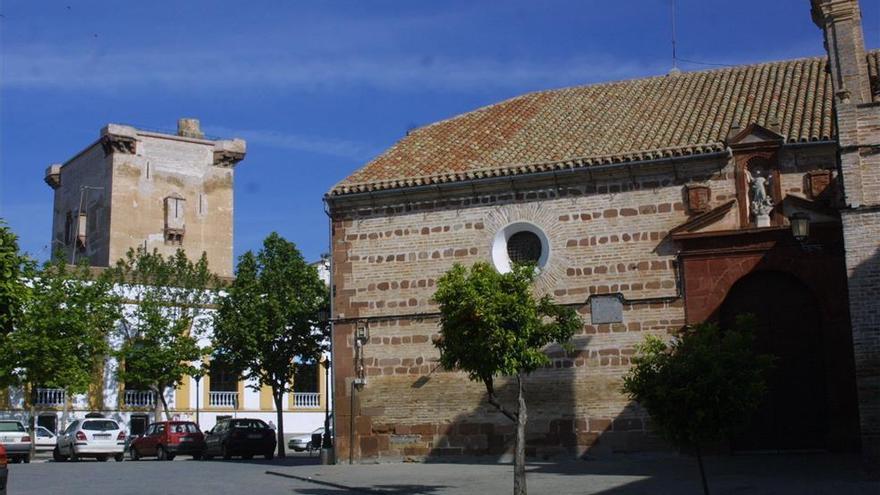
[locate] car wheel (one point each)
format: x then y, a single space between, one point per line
197 457
207 457
169 456
133 454
161 454
248 456
119 457
26 459
56 455
73 456
101 458
225 452
269 455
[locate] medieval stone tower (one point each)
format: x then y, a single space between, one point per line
137 188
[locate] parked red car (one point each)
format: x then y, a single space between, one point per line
4 472
167 439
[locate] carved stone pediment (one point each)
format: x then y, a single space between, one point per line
753 136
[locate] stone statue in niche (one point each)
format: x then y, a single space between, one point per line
760 202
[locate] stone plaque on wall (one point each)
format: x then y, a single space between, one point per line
606 309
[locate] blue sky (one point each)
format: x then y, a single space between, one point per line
319 88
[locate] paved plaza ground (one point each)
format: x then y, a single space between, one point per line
620 475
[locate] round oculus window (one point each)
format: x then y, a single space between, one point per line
520 243
524 247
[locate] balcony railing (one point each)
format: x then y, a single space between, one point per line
223 399
50 397
307 399
139 398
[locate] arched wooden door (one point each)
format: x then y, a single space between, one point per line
793 414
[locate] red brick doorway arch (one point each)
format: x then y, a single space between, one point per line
793 414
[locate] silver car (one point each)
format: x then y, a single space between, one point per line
16 439
100 438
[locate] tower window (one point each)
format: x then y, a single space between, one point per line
175 227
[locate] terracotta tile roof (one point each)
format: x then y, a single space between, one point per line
664 116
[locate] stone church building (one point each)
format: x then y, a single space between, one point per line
648 205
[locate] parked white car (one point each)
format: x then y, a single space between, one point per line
100 438
303 442
45 439
15 438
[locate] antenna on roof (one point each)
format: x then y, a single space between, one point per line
674 69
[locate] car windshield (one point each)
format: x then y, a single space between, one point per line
184 428
100 425
250 424
11 426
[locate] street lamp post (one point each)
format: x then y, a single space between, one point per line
327 442
197 378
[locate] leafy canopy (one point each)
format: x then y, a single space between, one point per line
703 385
60 334
273 312
492 324
13 290
164 316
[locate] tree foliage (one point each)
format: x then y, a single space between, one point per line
163 318
61 337
702 386
13 290
273 313
492 325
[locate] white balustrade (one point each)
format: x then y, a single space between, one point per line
307 400
223 399
50 397
139 398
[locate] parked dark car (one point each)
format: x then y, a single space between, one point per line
243 437
167 439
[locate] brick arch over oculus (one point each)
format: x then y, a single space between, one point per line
793 413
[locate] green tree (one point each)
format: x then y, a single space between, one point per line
700 387
163 317
59 332
491 325
273 314
13 290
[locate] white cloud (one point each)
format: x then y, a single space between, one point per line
300 142
171 69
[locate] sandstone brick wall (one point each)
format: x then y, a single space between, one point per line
862 228
608 233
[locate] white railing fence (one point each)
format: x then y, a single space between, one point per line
307 399
223 399
139 398
50 397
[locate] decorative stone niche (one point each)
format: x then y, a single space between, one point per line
699 197
175 227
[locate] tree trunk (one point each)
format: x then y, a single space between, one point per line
160 393
33 422
702 471
519 456
278 396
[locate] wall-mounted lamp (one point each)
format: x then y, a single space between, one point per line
800 226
